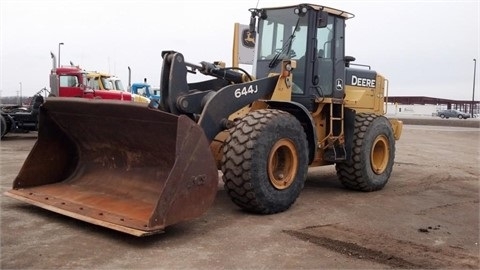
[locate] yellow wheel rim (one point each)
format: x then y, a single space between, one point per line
282 164
380 154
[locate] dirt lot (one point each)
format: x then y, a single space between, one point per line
426 217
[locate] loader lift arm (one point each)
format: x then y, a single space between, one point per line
211 107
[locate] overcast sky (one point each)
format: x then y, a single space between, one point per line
424 48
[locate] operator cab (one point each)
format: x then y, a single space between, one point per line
312 35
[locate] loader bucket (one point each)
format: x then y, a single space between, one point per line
119 165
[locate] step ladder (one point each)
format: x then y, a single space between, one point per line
334 149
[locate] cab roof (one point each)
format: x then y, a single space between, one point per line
93 74
334 11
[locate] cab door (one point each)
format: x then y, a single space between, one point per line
329 71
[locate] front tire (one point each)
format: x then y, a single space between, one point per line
373 154
265 161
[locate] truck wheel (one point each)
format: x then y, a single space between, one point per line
265 161
3 126
373 154
442 116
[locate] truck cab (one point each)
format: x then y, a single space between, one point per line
116 83
146 90
69 82
105 86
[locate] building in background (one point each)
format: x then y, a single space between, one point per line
427 106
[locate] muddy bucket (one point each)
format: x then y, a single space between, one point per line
118 165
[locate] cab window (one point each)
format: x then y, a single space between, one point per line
93 83
68 81
283 36
325 44
107 84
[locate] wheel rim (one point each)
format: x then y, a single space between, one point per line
379 155
282 164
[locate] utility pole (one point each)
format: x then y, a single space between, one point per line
474 72
21 101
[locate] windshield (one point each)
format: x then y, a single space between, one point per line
118 85
142 91
282 35
107 84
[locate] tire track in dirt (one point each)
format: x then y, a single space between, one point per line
426 182
429 182
383 249
446 205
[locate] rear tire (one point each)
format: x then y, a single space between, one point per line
442 116
265 161
373 154
460 116
3 126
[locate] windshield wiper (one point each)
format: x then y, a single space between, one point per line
287 46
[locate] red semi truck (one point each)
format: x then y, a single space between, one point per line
72 81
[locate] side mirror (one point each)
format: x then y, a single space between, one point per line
348 59
253 22
260 13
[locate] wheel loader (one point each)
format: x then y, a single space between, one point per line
306 105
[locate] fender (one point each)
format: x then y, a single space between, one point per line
305 118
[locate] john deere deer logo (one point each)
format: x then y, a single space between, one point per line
248 39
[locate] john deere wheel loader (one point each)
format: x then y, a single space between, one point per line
305 106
